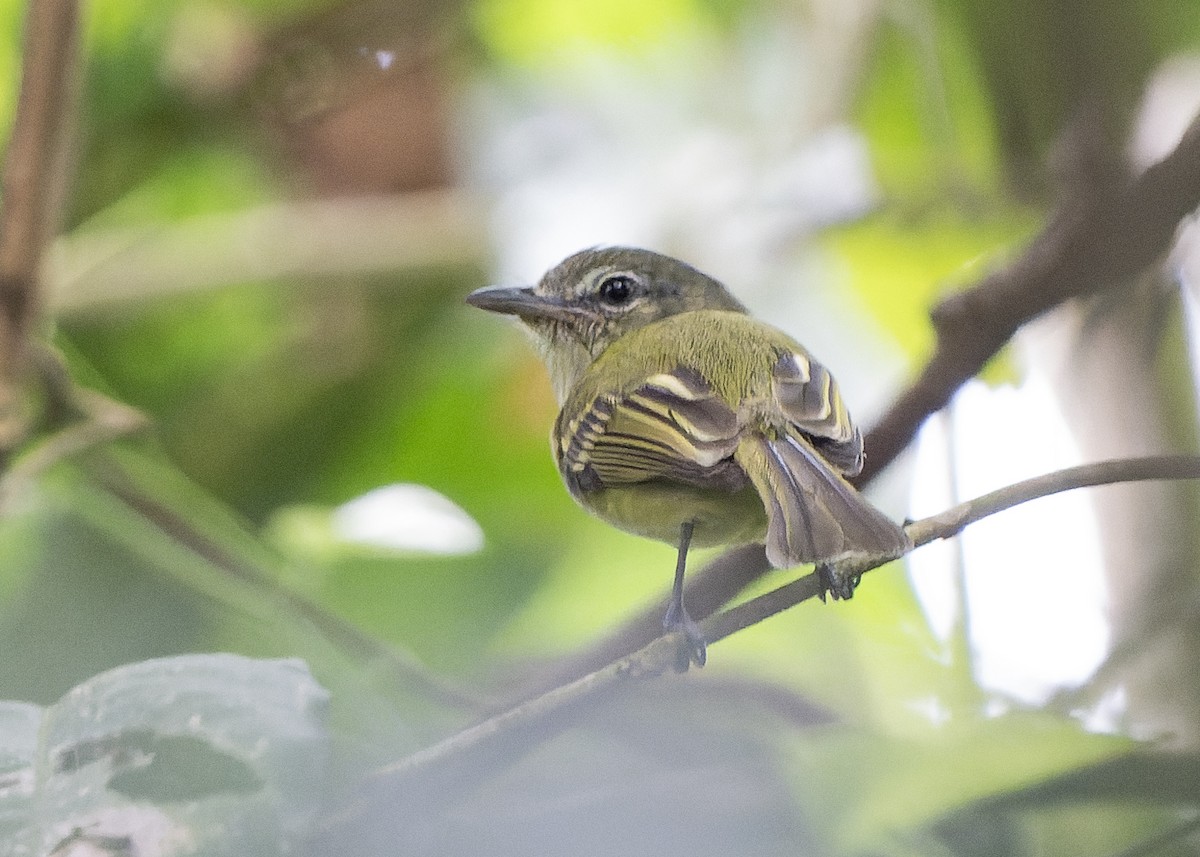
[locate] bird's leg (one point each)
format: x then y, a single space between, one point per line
840 586
677 619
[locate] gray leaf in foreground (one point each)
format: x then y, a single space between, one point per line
197 754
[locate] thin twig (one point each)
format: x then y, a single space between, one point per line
463 757
29 182
952 521
106 268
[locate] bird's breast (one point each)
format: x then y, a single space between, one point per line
658 509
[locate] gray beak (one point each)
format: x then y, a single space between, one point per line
524 303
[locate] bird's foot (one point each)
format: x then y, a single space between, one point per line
692 647
837 585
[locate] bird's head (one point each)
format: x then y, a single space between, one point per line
594 297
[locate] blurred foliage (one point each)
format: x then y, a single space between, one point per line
836 729
119 763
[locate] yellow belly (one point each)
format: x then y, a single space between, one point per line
657 510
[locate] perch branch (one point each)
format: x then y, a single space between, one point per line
456 761
951 522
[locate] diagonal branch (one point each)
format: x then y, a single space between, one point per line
457 763
29 183
1092 244
951 522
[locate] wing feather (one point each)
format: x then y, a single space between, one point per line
808 398
674 427
813 513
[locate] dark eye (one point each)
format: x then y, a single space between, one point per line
616 289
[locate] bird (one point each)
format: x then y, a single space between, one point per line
685 419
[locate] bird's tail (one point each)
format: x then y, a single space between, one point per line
813 514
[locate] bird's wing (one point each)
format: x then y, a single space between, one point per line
808 398
673 427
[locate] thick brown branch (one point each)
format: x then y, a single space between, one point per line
28 186
1101 238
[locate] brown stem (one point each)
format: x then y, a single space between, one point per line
29 186
1099 239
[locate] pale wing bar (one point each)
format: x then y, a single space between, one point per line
808 397
673 427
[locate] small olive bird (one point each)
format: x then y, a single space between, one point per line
685 420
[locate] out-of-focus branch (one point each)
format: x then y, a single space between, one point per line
297 239
29 184
1095 241
395 664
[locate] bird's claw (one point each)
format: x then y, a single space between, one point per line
693 649
839 586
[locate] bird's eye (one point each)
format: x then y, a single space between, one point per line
617 289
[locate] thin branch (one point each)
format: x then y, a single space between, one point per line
951 522
464 758
29 183
102 268
89 420
1155 467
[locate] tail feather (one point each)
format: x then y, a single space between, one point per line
813 514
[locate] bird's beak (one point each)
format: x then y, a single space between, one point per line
524 303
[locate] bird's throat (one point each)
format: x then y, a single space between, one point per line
566 360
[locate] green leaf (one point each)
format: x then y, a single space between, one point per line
872 787
900 269
213 754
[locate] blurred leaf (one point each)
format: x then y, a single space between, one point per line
201 753
19 724
1119 800
872 661
125 558
536 32
902 268
872 788
685 763
79 601
330 370
1141 776
601 578
925 114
